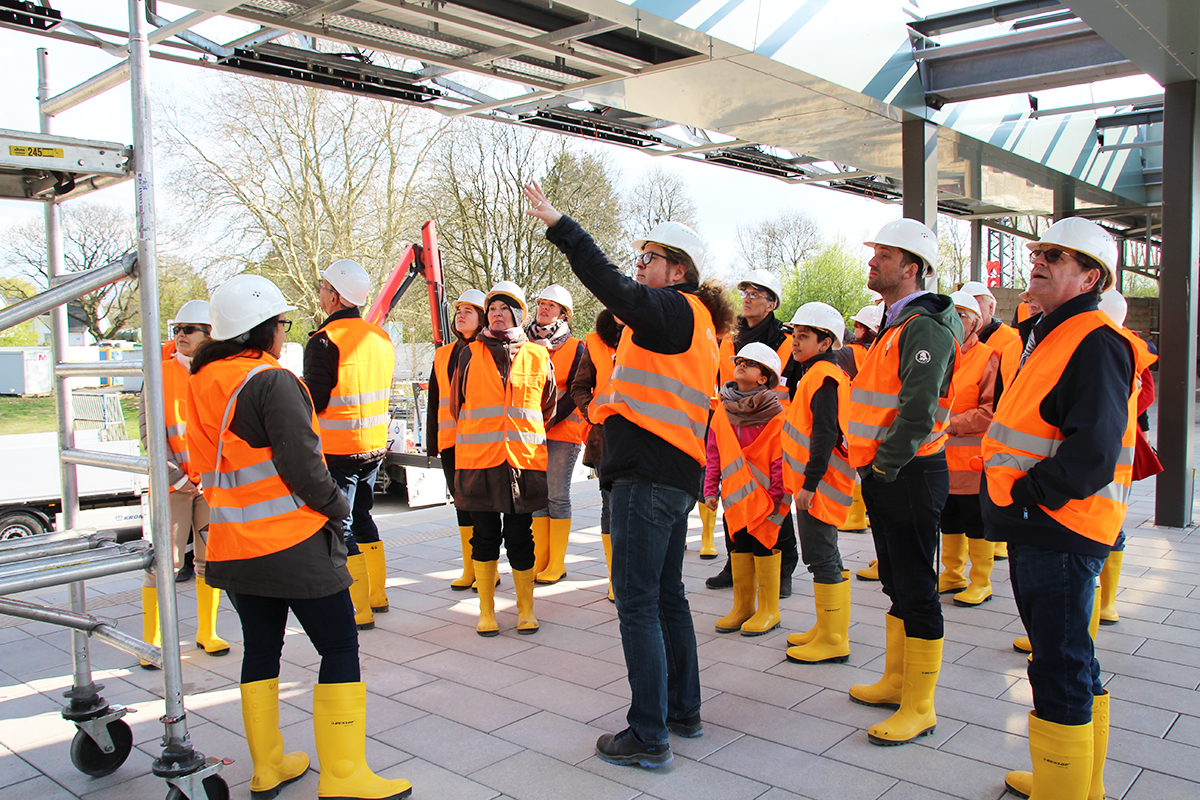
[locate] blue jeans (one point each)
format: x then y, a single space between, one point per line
357 484
1054 592
560 464
649 533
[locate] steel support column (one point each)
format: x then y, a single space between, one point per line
919 170
977 250
1177 304
1064 200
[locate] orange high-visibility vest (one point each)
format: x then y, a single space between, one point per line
501 422
356 419
860 355
960 450
441 374
603 359
875 401
1023 311
784 350
1002 337
175 381
254 513
666 395
1010 359
835 493
574 428
746 477
1019 438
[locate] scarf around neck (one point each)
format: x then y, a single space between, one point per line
756 407
551 336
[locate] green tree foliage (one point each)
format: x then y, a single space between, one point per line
837 275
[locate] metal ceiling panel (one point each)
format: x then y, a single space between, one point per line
1161 36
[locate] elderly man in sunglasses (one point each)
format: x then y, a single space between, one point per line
1058 462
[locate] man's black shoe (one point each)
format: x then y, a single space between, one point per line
785 587
185 574
723 579
626 750
687 727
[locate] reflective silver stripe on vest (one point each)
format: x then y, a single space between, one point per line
1020 463
875 433
796 464
942 414
876 399
793 433
1115 492
964 441
651 380
352 424
1023 441
776 519
244 476
446 425
833 494
499 437
762 478
256 511
737 496
839 463
1125 459
732 467
443 402
497 412
934 436
181 456
358 399
176 430
667 416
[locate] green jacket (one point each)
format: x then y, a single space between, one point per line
927 350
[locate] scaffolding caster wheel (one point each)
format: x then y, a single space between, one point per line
215 788
91 759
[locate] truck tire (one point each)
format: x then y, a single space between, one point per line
16 524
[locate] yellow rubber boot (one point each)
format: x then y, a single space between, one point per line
208 600
708 545
340 724
1021 644
1110 576
982 560
1094 622
606 540
485 575
1001 551
766 618
1100 719
954 559
870 573
376 576
887 690
1062 762
523 585
742 567
916 716
151 633
541 544
857 521
360 592
556 566
273 768
832 641
464 581
800 639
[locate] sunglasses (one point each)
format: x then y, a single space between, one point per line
752 294
286 323
645 258
1051 254
186 330
745 362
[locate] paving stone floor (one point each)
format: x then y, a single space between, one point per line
517 716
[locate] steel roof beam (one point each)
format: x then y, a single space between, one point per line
977 16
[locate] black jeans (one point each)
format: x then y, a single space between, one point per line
515 530
963 514
357 484
904 523
328 621
789 553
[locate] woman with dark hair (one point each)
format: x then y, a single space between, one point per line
275 539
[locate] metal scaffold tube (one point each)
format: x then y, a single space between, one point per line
61 293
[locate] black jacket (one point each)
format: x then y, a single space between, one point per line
1090 406
661 321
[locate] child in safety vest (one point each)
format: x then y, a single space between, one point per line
816 473
744 464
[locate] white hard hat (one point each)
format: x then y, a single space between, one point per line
964 299
472 297
764 278
1077 233
876 297
823 316
242 302
768 358
557 294
910 235
193 312
1114 304
676 235
350 280
977 289
510 290
870 316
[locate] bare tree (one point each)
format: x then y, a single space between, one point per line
780 244
301 177
954 252
659 195
93 235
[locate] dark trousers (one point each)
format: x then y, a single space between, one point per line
447 456
789 554
514 530
743 542
328 621
1054 593
819 545
904 524
357 483
963 514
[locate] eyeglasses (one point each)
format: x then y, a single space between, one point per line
751 294
286 324
745 362
186 330
1051 254
645 258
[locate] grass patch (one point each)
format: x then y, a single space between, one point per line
36 415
